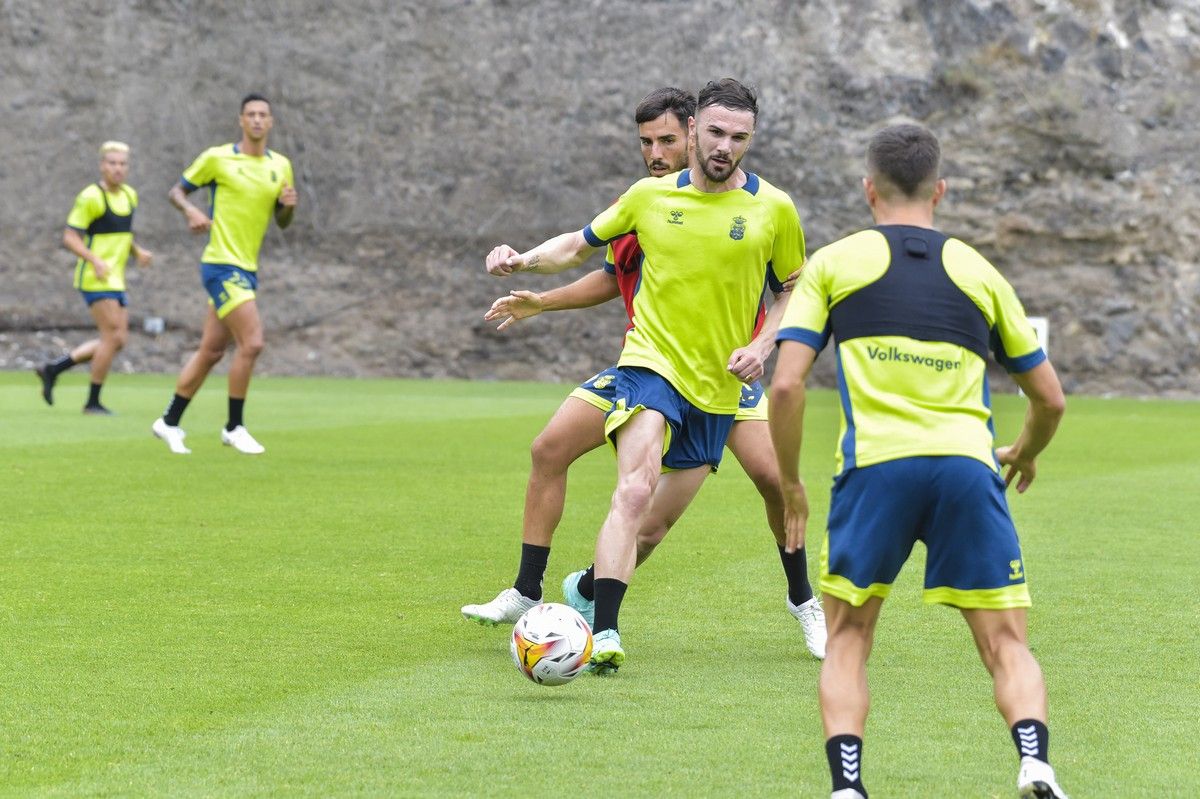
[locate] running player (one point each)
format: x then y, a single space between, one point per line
913 312
248 185
578 426
99 233
709 236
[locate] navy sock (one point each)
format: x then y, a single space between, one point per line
94 395
533 568
609 593
795 566
175 410
1032 739
845 762
62 364
587 583
235 412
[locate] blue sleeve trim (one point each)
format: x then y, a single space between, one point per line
610 268
685 179
751 183
188 186
1025 362
595 240
79 230
805 336
774 283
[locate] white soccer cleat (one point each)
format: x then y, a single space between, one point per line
607 654
508 606
240 439
173 435
846 793
1036 780
812 622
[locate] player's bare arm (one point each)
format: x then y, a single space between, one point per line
548 258
143 256
1046 407
197 220
74 244
285 206
592 289
749 363
786 421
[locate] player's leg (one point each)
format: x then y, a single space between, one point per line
843 691
675 491
112 321
576 428
245 326
750 443
213 342
49 371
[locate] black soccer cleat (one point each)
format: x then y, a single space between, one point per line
48 376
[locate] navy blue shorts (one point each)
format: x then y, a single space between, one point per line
954 504
694 437
227 286
92 296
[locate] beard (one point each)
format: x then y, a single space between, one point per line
718 174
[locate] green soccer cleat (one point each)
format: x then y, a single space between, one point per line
585 607
607 654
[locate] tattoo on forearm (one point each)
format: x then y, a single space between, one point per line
532 262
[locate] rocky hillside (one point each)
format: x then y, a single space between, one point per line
425 132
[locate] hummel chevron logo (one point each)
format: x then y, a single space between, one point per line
850 761
1029 741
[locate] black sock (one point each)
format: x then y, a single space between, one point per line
609 593
795 566
62 364
175 410
1032 739
235 413
532 570
587 583
94 395
845 762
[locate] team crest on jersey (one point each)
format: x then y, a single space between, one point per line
676 218
738 230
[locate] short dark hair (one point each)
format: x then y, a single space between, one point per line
254 97
668 99
905 157
731 94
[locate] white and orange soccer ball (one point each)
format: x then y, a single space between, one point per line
551 643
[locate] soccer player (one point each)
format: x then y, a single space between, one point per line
578 425
709 236
913 312
103 213
248 185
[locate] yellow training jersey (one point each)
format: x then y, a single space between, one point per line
105 221
243 192
913 314
707 260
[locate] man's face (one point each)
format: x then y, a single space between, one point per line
664 145
256 120
721 137
114 167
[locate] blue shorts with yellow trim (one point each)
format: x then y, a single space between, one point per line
600 390
227 286
694 437
95 296
954 504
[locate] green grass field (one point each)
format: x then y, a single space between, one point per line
219 625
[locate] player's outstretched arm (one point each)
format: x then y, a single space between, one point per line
1046 407
786 421
197 220
594 288
548 258
75 245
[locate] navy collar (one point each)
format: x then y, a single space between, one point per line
751 185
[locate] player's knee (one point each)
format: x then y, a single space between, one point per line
119 337
210 356
1003 648
634 492
549 454
251 347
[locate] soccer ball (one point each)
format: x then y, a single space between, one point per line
551 643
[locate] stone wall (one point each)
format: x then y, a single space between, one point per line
425 132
